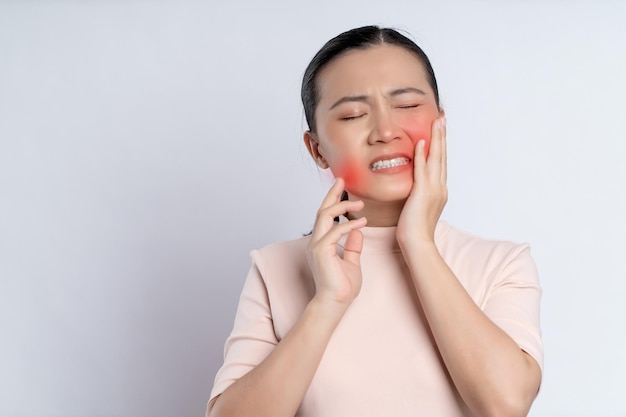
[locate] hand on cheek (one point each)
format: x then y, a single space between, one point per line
417 133
429 195
426 143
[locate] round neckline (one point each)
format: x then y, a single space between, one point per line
382 239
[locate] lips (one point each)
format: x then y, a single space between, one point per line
389 161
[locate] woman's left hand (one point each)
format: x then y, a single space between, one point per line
429 194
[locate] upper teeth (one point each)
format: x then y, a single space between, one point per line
388 163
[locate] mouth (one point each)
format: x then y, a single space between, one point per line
389 163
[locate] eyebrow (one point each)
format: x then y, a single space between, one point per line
400 91
364 98
348 99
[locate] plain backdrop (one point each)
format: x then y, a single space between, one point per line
147 146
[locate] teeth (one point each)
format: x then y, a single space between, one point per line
388 163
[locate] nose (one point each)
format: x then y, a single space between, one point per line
384 129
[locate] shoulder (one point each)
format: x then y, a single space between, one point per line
280 253
283 266
456 240
492 259
287 279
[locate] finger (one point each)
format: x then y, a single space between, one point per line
334 193
333 196
444 153
326 216
419 161
353 247
434 156
333 235
340 208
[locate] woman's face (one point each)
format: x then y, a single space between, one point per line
375 105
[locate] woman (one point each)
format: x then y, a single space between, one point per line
388 311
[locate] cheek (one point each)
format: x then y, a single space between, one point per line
419 131
351 172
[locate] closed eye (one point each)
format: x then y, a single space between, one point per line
358 116
408 106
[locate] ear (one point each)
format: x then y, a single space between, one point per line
442 112
313 146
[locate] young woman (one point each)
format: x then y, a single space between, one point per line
387 311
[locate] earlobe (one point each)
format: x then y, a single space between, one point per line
442 112
313 146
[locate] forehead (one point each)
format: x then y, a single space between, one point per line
378 67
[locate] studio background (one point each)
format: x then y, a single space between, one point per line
147 146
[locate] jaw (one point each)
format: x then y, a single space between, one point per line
379 213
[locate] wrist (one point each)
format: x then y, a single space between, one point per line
415 240
326 308
418 246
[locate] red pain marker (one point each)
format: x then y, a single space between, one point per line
351 174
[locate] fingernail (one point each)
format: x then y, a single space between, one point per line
421 143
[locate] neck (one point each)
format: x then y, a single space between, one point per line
379 214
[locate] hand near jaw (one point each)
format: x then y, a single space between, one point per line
288 369
429 194
337 279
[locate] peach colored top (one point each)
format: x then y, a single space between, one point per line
381 359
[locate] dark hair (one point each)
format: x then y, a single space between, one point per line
359 38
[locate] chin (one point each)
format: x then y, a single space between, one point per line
389 193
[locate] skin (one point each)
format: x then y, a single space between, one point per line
493 376
374 102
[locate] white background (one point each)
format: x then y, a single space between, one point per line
147 147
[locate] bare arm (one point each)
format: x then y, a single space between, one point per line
492 374
278 384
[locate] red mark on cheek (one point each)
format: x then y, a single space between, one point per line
352 174
420 134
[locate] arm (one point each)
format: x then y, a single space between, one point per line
278 384
492 374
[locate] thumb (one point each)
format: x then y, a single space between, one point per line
353 247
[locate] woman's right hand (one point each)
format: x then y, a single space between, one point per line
337 279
